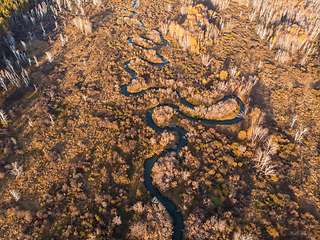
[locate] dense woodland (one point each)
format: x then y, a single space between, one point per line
73 146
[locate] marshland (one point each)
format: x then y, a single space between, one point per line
144 119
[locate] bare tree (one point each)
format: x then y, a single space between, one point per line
15 195
25 77
263 162
36 60
117 220
294 119
3 116
30 122
271 146
243 113
50 58
16 170
164 28
184 10
97 3
299 134
220 4
205 59
24 45
258 133
246 237
52 122
2 80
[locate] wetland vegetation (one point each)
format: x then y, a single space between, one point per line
160 119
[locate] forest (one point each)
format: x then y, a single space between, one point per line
10 9
145 119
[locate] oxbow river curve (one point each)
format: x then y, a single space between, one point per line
148 164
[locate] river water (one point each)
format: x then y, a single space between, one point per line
148 164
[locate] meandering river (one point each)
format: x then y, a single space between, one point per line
148 164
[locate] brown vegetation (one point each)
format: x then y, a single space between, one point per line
162 115
73 147
153 221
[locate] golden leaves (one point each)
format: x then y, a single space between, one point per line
223 75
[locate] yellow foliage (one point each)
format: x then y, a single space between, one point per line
193 43
196 10
248 153
255 115
139 192
242 135
7 7
2 21
209 41
294 28
234 145
272 231
223 75
249 131
196 14
302 37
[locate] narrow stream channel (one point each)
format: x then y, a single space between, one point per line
148 164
